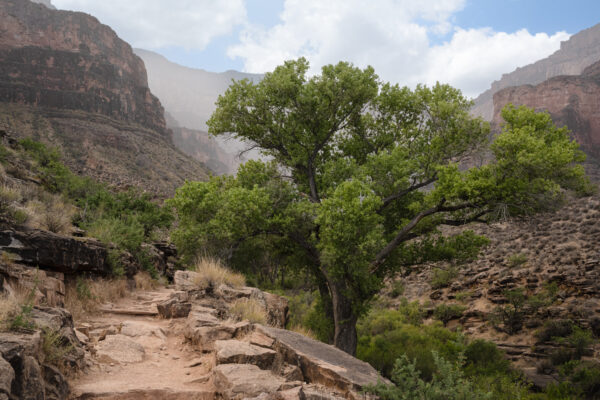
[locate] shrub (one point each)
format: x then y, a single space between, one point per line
448 383
484 358
517 260
52 214
385 335
144 281
448 312
9 307
511 314
397 288
55 347
249 309
307 311
8 196
83 297
211 274
554 329
442 277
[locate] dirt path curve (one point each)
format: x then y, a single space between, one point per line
137 355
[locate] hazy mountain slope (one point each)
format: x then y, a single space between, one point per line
188 94
574 55
189 97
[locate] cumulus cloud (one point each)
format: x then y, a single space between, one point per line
395 37
154 24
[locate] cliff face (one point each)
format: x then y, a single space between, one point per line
69 81
574 55
69 60
572 101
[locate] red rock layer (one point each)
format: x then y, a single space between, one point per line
572 101
69 60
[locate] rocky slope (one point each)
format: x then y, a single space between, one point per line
552 257
574 55
189 96
67 79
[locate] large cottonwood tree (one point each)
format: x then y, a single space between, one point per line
363 174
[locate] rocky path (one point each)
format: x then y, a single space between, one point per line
181 343
137 356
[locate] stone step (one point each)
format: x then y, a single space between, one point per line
150 394
130 311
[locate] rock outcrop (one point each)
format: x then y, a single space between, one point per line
69 60
574 55
572 101
26 368
69 81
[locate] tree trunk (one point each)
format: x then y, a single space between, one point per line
345 337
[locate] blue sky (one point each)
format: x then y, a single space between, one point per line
468 43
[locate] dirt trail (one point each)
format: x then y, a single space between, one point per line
137 355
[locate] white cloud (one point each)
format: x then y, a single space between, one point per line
153 24
394 36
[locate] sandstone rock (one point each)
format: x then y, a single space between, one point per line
204 334
186 280
238 381
56 386
260 339
172 308
7 375
50 251
119 349
137 328
48 286
29 382
321 363
237 352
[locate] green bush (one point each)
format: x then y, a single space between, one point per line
448 312
386 335
306 309
443 277
554 329
447 383
517 260
397 288
484 358
511 314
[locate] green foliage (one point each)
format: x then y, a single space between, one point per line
484 358
306 310
125 219
397 288
448 312
554 329
340 198
448 383
517 260
441 278
386 335
22 320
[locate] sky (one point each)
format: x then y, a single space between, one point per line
466 43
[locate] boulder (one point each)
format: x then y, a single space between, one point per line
185 280
204 334
56 386
30 381
238 352
321 363
54 252
48 286
119 349
7 375
173 308
238 381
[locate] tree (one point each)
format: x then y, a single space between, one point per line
362 174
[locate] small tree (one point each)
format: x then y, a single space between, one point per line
343 196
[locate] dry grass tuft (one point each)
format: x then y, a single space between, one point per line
303 331
211 273
249 309
9 307
52 214
143 281
85 296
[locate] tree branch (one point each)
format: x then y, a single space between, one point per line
388 200
405 233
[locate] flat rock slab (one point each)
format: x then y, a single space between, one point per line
136 328
238 381
163 394
120 349
237 352
322 363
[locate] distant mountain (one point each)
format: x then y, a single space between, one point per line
189 97
574 55
47 3
70 81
